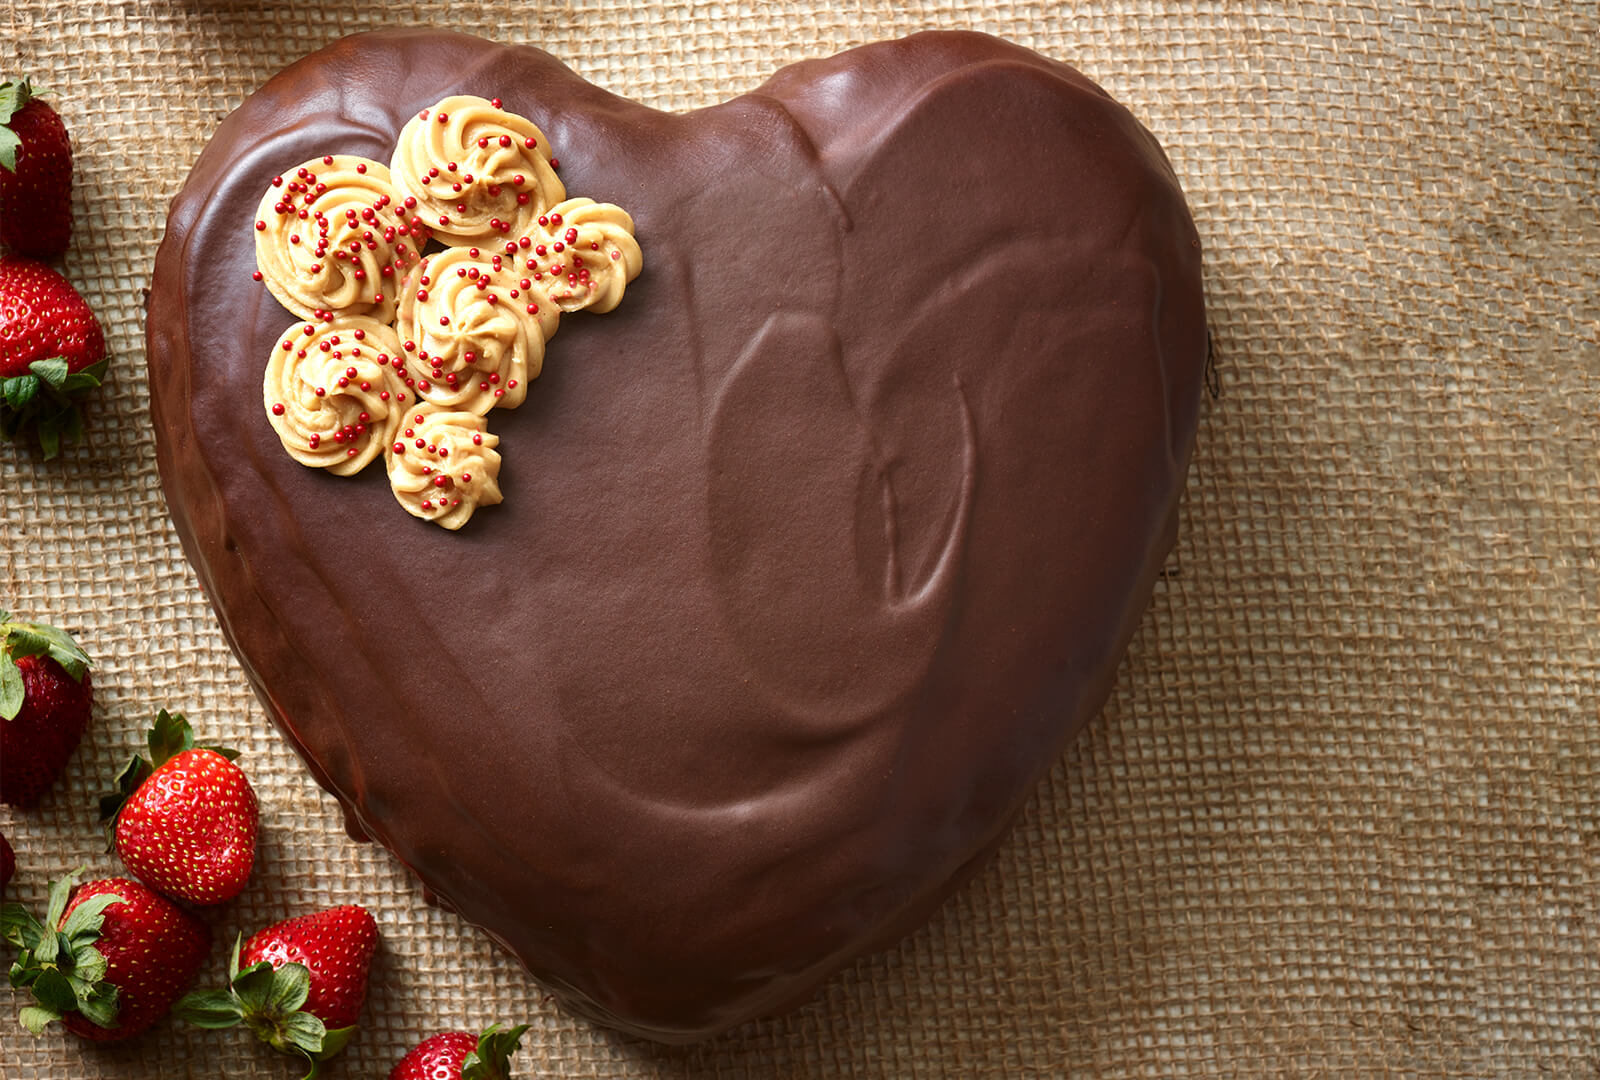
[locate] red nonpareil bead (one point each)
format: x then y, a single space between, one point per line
495 102
361 168
483 143
277 410
531 143
440 481
443 117
422 294
572 236
423 115
477 440
444 219
352 452
315 441
555 163
518 180
261 226
256 276
466 478
277 181
399 448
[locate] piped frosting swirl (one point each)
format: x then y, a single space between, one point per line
478 173
475 330
581 254
332 393
331 238
443 465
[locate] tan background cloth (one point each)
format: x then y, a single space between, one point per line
1341 815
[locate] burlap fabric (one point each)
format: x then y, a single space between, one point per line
1341 817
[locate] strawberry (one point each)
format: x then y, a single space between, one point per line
45 700
185 821
120 955
52 352
461 1055
35 173
8 863
301 984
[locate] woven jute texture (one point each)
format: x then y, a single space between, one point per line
1341 817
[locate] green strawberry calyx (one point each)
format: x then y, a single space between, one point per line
61 968
492 1059
21 639
45 401
169 736
268 1001
13 96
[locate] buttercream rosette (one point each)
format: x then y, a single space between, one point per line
477 172
332 394
443 465
332 237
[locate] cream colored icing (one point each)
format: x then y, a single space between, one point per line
478 173
581 254
443 465
474 332
332 393
331 236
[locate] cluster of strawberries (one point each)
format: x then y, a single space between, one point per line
52 350
111 957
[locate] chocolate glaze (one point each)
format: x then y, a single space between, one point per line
814 553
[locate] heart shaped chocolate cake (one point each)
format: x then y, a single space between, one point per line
812 554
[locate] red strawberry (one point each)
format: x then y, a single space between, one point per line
185 821
35 174
301 986
122 956
8 863
461 1054
45 700
52 352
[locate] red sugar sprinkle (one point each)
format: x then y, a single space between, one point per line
261 226
495 102
277 410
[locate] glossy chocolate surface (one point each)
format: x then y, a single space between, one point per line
814 553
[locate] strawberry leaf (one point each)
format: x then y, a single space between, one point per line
19 639
212 1010
17 925
13 96
99 1006
52 991
491 1060
12 690
303 1032
52 372
45 401
89 916
62 968
36 1019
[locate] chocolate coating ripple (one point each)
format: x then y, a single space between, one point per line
814 553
